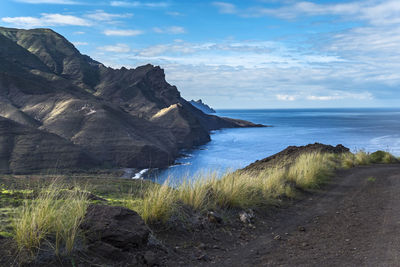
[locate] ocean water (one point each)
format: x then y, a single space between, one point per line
231 149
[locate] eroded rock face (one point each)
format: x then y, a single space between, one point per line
117 227
108 114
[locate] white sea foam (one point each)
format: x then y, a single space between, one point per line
139 175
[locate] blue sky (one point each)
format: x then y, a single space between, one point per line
239 54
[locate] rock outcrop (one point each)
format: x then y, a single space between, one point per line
120 234
289 155
199 104
101 117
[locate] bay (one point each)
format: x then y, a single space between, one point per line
231 149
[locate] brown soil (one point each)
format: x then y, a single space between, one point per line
352 221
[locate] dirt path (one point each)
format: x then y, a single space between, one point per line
355 221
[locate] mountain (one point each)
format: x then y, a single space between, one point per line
61 110
199 104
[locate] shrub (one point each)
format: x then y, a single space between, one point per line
382 157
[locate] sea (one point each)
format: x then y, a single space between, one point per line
231 149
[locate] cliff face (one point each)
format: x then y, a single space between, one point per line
86 114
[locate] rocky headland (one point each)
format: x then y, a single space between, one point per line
63 111
199 104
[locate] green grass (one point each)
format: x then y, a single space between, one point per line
56 213
382 157
371 179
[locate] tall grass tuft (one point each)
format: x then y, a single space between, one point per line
275 183
159 203
311 169
362 158
55 213
198 193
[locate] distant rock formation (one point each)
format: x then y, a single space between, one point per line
199 104
61 110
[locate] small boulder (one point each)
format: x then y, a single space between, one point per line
247 216
118 227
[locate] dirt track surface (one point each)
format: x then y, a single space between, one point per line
354 221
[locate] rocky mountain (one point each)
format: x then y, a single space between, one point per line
199 104
61 110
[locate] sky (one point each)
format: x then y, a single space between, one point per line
239 54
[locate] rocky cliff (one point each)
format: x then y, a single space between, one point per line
62 110
199 104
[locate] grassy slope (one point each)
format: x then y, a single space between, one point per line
23 200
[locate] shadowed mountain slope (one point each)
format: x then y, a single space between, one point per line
103 116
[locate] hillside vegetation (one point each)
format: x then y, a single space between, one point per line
49 214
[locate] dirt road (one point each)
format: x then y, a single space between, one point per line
354 221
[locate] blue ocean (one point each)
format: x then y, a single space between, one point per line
231 149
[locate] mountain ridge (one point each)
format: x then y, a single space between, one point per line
46 85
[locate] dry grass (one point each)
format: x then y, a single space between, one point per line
311 169
237 189
158 204
243 190
350 160
362 158
55 213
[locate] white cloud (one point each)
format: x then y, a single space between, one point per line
118 48
170 30
100 15
340 96
225 8
285 97
357 63
174 13
79 33
122 32
47 20
139 4
258 72
375 12
56 2
80 43
233 54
